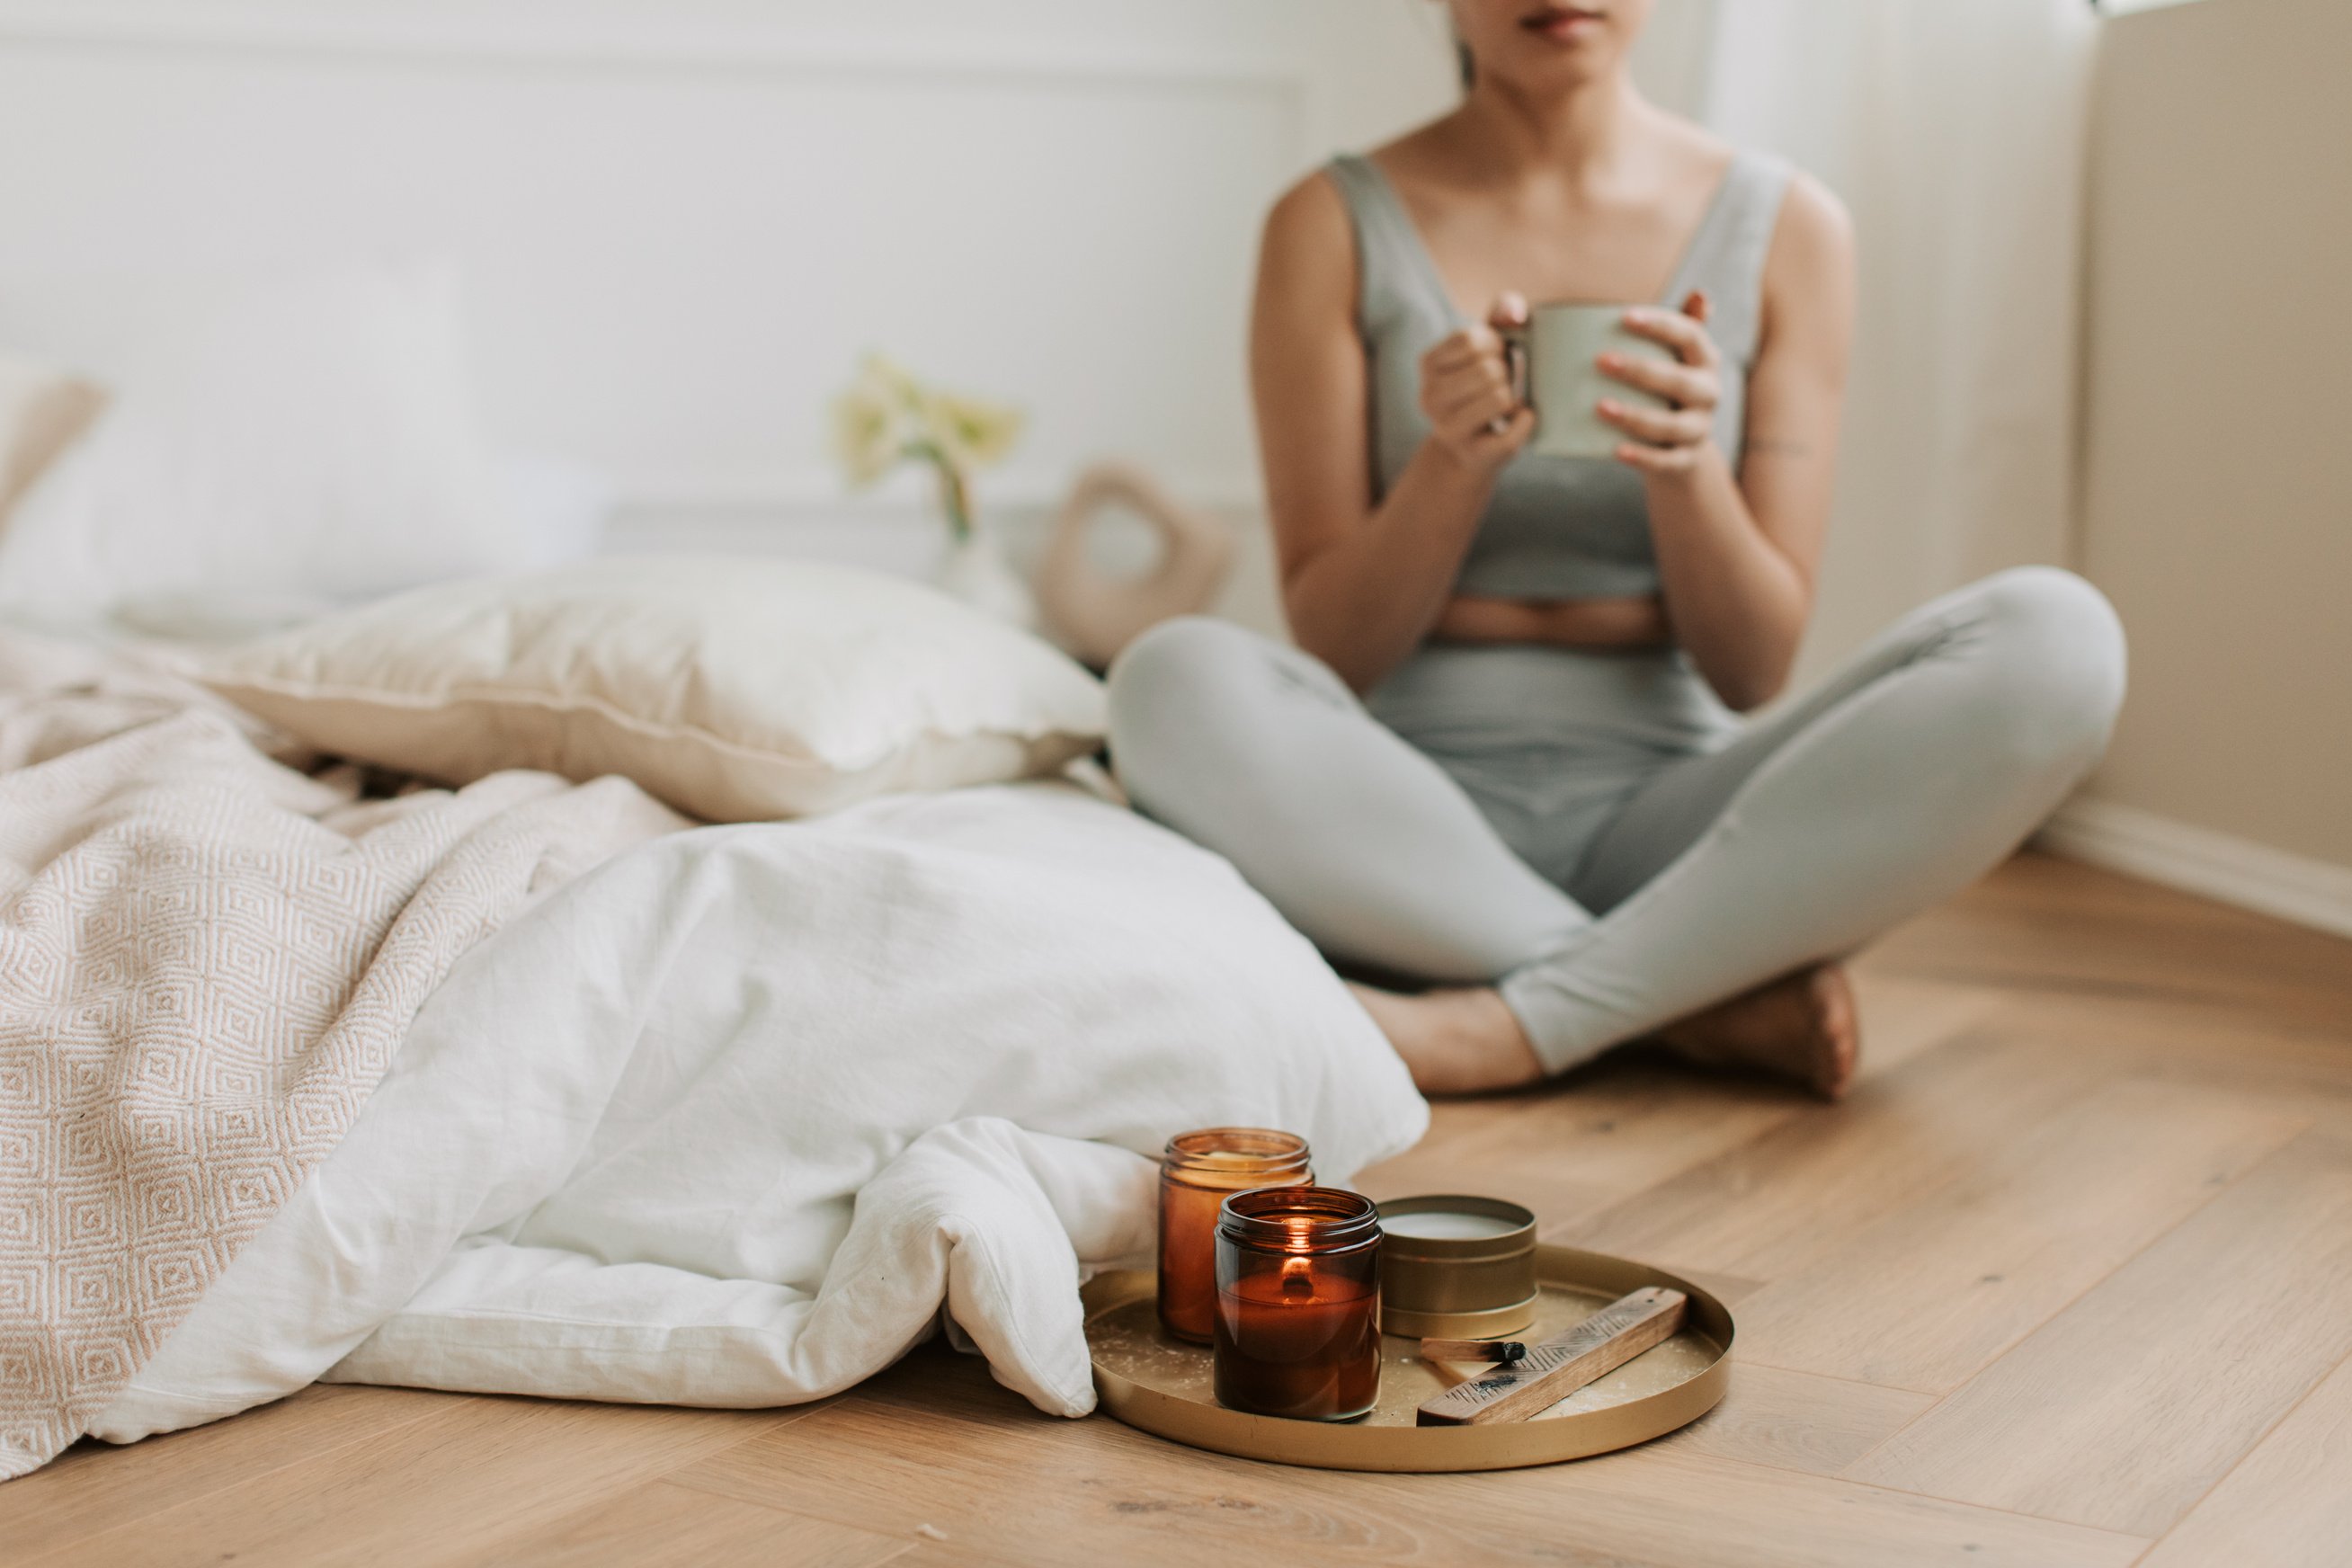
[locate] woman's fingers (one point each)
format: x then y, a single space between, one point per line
1467 396
1686 385
1446 390
1658 427
1686 337
1476 406
1500 440
1668 441
1465 347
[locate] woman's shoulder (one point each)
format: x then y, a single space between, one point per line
1809 215
1310 217
1811 235
1306 250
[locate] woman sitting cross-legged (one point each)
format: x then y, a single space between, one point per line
1503 767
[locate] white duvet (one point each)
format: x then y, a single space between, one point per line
731 1120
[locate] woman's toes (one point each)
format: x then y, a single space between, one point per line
1802 1027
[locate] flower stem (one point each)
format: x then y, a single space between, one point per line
955 497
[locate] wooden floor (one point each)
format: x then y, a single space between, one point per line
2067 1281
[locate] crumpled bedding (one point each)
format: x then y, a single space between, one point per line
737 1115
207 959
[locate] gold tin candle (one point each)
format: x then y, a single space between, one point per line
1298 1304
1455 1267
1197 1173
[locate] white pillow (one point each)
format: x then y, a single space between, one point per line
318 439
737 689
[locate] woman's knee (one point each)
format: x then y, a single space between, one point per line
1175 692
2056 651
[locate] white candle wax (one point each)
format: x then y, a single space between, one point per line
1442 1224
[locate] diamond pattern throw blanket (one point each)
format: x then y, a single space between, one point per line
207 959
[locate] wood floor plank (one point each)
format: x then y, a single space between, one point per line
464 1477
2044 922
2125 1409
1573 1147
1622 1125
663 1526
1769 1207
936 1448
933 1443
1689 1511
1903 1017
1939 1288
97 1486
1797 1421
2189 1042
2288 1504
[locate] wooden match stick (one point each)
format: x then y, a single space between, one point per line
1556 1368
1503 1350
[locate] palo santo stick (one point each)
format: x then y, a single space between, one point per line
1563 1363
1505 1351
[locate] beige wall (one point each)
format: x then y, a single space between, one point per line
2218 507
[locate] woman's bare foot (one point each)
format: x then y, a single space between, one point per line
1454 1042
1802 1027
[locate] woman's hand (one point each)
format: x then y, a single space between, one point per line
1668 441
1466 395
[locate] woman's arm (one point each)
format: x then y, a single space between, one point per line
1737 554
1363 585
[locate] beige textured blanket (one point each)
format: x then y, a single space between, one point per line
207 959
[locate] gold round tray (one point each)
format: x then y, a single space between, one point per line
1160 1384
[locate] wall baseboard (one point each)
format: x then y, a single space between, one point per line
2199 861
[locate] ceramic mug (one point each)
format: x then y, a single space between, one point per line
1553 372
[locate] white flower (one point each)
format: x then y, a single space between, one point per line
886 415
874 420
971 432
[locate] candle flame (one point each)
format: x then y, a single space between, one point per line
1297 1276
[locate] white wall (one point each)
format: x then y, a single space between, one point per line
682 223
2218 496
683 220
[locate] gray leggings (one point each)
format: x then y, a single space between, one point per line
1576 830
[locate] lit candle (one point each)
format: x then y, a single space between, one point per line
1297 1313
1198 1172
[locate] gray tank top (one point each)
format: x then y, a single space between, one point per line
1557 528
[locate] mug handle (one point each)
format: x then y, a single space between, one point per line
1514 363
1515 359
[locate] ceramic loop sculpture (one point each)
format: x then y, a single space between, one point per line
1095 615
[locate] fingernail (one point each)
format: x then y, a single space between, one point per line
1611 360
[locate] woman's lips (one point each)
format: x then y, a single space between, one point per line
1565 26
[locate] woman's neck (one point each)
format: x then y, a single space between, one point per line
1580 134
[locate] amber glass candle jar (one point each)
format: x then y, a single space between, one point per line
1299 1303
1198 1172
